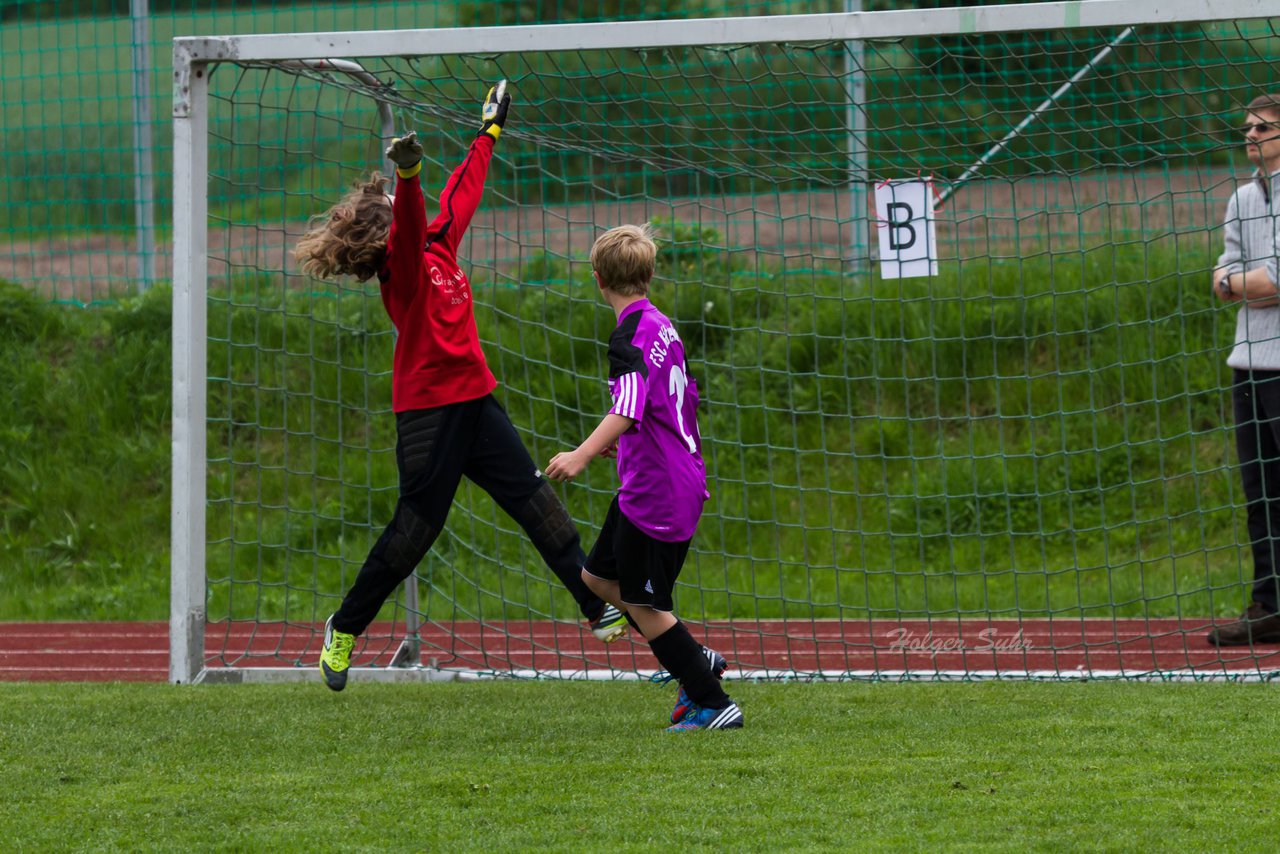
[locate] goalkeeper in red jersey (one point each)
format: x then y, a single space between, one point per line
448 423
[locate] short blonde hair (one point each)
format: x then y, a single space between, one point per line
623 259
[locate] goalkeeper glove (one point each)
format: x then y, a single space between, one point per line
406 152
493 114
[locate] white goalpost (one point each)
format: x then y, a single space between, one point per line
1015 465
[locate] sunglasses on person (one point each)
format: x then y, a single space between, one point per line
1260 127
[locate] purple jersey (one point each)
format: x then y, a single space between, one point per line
664 483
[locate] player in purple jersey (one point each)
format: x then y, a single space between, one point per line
653 429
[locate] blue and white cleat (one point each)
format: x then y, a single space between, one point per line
683 703
730 717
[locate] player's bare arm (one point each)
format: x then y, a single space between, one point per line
567 465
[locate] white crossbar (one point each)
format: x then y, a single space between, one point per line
840 26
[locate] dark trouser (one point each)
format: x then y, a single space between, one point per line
434 450
1255 397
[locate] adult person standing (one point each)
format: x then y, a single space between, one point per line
1246 274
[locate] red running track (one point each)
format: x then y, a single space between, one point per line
1074 648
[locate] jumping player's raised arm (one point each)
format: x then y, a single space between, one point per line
462 192
409 214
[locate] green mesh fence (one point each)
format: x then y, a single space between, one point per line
1033 444
69 224
70 207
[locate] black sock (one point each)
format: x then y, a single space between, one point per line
679 653
632 621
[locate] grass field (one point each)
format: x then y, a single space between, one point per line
504 766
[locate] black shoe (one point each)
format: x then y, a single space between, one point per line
1256 625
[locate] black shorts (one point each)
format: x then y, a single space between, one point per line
645 569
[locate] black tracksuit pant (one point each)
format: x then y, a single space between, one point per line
1255 397
435 448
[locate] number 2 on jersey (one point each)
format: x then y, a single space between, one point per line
678 383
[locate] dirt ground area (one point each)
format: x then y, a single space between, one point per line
1032 216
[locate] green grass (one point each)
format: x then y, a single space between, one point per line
84 473
586 766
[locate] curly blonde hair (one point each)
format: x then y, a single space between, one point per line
351 237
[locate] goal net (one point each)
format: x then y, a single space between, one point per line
1018 464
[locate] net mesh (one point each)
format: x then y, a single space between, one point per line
1021 466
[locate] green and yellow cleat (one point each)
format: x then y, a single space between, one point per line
610 625
335 658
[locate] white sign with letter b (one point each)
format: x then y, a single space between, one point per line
904 218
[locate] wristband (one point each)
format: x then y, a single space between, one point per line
1224 286
411 171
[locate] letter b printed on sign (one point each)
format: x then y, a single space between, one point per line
904 220
900 216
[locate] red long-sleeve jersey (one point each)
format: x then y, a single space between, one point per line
438 359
